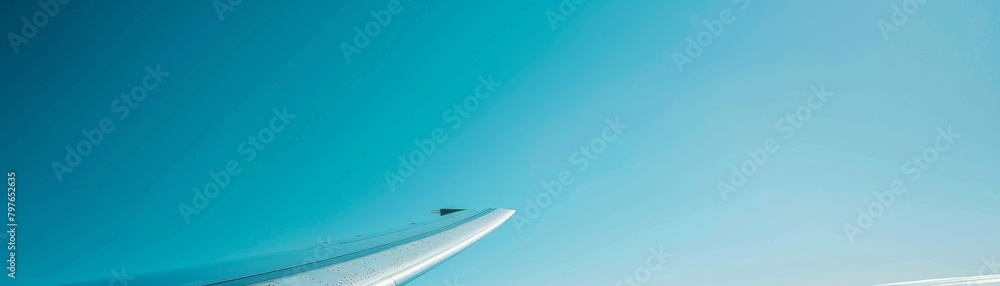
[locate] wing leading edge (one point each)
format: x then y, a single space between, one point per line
389 258
400 264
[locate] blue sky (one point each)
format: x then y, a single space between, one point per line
560 76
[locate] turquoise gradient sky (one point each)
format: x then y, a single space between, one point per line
323 177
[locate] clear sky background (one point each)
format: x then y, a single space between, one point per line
892 91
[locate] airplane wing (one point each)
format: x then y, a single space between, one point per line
390 258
